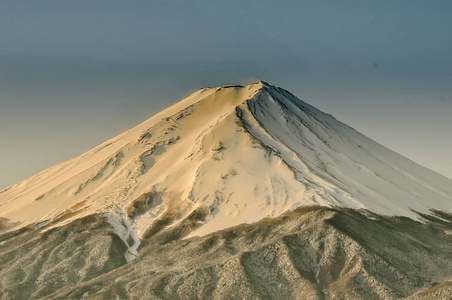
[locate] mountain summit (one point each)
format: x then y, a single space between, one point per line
237 153
219 158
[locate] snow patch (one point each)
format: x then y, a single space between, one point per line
127 232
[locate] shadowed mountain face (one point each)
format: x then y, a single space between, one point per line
310 253
233 192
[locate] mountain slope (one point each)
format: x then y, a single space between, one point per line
217 149
230 180
309 253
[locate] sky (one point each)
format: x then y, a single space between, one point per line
76 73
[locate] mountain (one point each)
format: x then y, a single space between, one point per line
233 192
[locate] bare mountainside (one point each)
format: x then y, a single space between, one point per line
234 191
309 253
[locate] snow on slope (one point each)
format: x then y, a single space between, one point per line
243 153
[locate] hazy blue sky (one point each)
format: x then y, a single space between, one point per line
76 73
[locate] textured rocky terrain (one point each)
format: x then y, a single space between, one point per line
310 253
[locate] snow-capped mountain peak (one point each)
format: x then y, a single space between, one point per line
229 155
